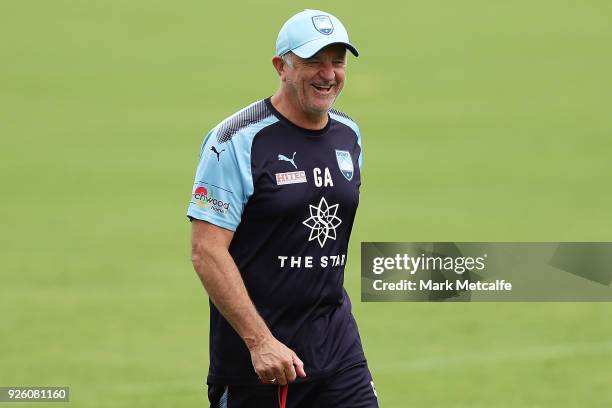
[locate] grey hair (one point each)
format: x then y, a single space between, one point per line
287 59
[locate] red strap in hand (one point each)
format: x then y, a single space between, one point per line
282 395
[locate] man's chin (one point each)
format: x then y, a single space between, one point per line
322 106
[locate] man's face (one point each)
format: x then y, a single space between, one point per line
315 82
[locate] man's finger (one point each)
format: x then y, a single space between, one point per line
290 372
266 377
267 380
280 376
299 366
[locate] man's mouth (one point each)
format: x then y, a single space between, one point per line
323 89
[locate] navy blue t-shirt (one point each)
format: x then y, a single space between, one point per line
290 194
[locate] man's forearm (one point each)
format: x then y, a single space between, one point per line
223 282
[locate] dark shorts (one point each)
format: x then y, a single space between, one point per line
350 388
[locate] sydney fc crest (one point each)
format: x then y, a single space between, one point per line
345 163
323 24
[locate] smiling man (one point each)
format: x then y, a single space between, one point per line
273 204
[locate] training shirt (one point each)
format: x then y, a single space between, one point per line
290 194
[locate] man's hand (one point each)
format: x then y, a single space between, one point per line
273 361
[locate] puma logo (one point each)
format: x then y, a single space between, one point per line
214 149
290 160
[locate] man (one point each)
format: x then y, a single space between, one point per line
274 199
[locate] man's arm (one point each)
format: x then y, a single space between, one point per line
221 279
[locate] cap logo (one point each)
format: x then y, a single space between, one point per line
323 24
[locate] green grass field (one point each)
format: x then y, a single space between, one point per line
481 121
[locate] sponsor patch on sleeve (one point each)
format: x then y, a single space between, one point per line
210 197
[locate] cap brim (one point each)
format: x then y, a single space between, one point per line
311 48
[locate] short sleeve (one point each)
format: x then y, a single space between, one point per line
343 118
223 182
355 128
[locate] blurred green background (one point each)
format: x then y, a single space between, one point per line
481 121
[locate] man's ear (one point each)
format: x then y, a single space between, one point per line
279 65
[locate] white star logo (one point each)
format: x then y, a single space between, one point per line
322 222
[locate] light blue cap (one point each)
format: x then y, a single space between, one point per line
310 30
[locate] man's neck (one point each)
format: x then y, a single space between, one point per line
295 115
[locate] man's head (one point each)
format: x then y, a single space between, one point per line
311 60
313 83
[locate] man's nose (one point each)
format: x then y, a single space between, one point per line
327 72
